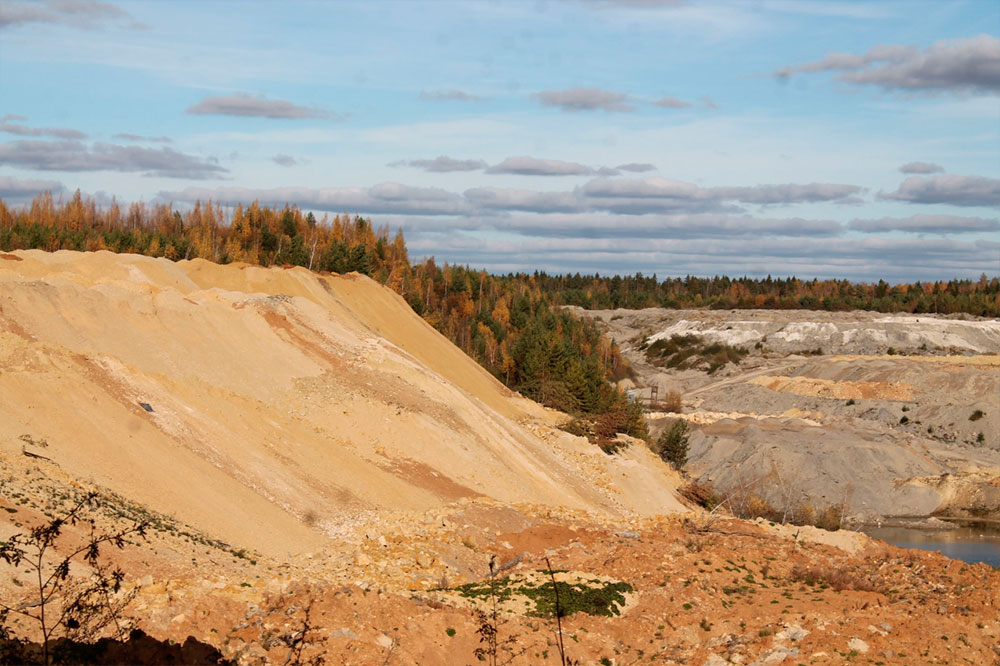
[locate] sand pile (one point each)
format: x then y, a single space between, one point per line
825 388
274 408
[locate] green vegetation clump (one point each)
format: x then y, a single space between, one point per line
690 351
594 597
976 415
672 444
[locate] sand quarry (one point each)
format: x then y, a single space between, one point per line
861 408
305 441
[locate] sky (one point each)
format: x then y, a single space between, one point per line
827 139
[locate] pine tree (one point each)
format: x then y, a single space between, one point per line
672 444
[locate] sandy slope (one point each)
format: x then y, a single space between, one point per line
286 405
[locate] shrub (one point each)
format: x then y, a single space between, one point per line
976 415
606 430
672 444
58 604
672 402
688 351
834 577
702 494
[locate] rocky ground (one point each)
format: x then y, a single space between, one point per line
896 416
689 588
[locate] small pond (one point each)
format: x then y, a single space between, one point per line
970 541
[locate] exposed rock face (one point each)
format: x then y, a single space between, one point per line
790 331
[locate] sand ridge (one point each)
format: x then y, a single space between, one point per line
283 401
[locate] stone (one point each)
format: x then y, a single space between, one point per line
857 644
792 633
776 656
344 632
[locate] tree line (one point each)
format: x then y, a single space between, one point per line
595 292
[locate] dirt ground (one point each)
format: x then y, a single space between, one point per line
825 408
702 589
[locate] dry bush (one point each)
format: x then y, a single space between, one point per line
833 577
672 402
700 494
771 497
606 430
75 608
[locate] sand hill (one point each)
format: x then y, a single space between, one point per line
275 408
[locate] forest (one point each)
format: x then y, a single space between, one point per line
511 324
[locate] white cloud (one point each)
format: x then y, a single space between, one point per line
585 99
970 65
531 166
948 189
246 105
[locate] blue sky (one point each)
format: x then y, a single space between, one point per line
822 138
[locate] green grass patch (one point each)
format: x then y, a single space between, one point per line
593 597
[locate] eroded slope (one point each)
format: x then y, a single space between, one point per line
272 408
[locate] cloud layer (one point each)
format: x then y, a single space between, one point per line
531 166
246 105
125 136
934 224
87 14
621 197
970 65
450 95
24 130
575 100
585 99
444 164
17 189
948 189
77 156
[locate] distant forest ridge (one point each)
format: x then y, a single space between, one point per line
271 236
